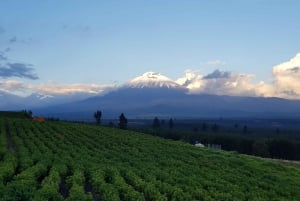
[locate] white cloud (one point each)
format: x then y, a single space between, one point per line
265 90
11 86
56 88
21 88
223 83
286 82
287 78
190 75
14 87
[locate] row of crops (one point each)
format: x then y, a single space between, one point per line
65 161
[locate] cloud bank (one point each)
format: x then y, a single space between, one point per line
56 88
219 82
287 78
19 70
285 84
17 87
12 86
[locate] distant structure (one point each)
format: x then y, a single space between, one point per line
211 146
39 119
215 146
199 144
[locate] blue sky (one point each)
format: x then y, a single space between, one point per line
104 42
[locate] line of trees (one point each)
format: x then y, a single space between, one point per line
246 142
157 123
122 119
269 146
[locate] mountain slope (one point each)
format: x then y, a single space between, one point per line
150 102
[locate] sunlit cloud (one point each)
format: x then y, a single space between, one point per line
220 83
57 88
192 81
20 88
285 84
287 78
11 85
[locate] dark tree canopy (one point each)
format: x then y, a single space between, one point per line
123 121
215 128
171 123
97 116
156 123
27 114
204 127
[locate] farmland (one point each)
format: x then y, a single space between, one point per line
68 161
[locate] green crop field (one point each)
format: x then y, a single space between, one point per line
66 161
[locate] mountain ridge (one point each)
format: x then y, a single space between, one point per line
153 94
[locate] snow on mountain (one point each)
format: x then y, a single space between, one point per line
43 96
152 80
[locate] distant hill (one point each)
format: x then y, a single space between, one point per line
65 161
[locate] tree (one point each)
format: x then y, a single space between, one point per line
97 116
27 114
215 128
156 123
261 148
30 113
204 127
123 121
171 123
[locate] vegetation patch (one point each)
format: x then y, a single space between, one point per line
86 162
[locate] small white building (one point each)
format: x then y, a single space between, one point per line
198 144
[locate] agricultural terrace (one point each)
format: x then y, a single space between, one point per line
66 161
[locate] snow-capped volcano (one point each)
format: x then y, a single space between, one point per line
152 80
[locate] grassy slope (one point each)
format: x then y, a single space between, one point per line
174 170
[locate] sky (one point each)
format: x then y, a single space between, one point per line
60 46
